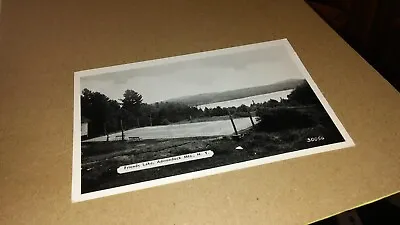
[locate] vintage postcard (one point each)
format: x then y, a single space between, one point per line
156 122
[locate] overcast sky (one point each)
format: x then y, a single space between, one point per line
212 74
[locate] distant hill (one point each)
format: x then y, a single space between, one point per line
208 98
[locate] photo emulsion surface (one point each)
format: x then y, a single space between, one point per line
167 120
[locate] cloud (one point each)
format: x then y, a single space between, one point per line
211 74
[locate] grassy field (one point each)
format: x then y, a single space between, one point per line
214 118
203 119
100 160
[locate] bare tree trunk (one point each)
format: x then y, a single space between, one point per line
105 131
251 118
233 124
151 121
122 131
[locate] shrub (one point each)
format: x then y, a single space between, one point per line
277 119
165 122
241 114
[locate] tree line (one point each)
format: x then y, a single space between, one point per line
108 115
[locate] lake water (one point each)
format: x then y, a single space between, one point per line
248 100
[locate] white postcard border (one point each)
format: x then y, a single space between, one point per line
76 165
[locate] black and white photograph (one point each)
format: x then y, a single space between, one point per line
161 121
